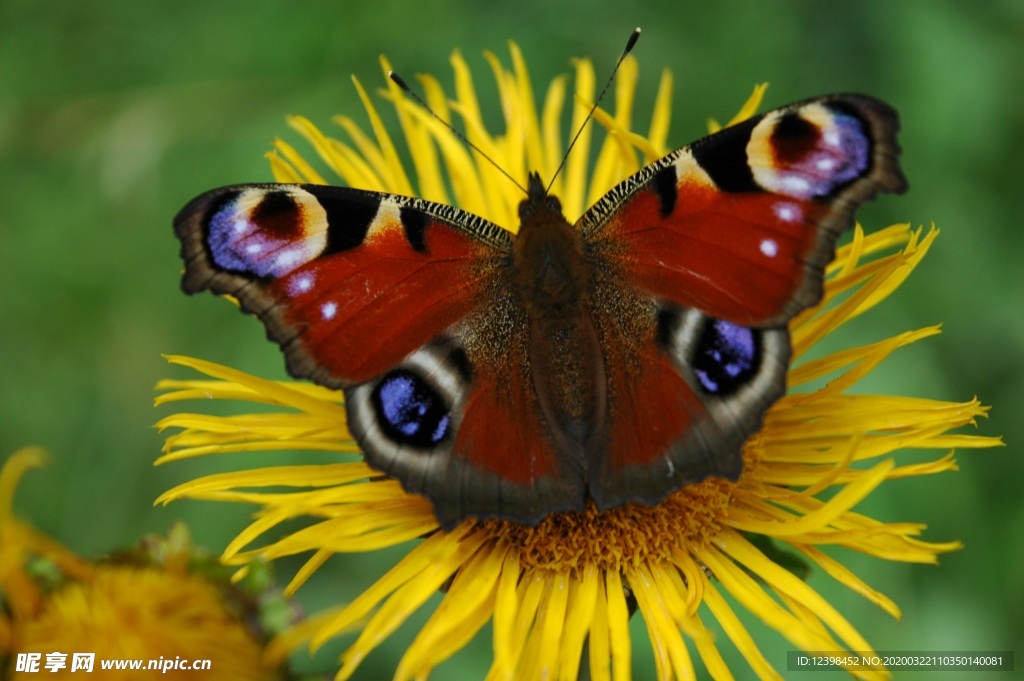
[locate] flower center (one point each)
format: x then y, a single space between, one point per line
633 534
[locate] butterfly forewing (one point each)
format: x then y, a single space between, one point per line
742 223
349 282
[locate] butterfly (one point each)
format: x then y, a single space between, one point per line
613 360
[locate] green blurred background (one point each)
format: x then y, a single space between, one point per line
114 113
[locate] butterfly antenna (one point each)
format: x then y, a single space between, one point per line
633 37
409 91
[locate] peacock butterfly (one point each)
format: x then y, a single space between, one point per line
516 375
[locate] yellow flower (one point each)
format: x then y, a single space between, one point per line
137 607
565 589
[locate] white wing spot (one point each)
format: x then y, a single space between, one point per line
833 138
328 310
825 164
770 247
301 284
253 249
787 212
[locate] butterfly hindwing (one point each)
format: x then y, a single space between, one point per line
684 402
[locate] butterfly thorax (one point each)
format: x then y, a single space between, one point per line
550 266
552 281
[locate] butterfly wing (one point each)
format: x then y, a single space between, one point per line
403 304
726 240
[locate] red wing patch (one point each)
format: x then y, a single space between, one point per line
728 255
360 312
501 434
652 406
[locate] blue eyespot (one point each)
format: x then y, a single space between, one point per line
727 357
410 411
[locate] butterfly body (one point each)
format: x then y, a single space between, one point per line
613 360
552 283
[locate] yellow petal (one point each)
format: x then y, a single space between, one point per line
464 610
